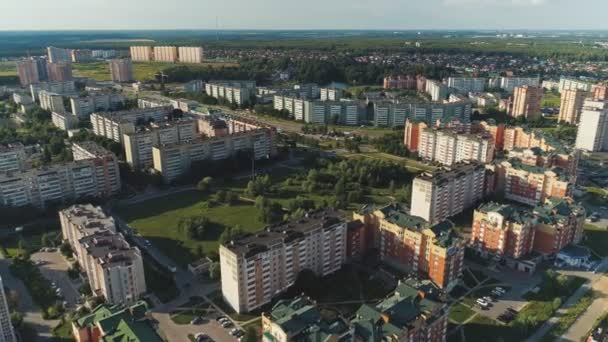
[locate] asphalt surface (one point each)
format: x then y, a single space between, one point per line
54 267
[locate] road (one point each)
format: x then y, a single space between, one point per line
31 312
584 323
596 281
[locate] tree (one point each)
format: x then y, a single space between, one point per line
16 319
12 298
250 335
557 303
44 240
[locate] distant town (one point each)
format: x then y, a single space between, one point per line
158 192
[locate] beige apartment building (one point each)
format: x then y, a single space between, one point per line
113 125
64 121
83 107
447 192
27 69
165 54
449 147
59 72
571 106
107 171
526 102
190 54
258 267
142 53
121 70
52 102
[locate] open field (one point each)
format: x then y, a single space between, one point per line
8 69
142 71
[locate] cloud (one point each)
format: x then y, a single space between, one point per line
495 2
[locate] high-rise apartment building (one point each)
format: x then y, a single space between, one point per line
121 70
413 245
572 101
7 333
468 84
600 92
142 53
165 54
448 146
58 55
413 132
27 69
443 193
395 113
106 166
81 56
12 158
65 121
437 90
67 88
190 54
59 72
592 135
257 267
83 107
526 102
331 94
573 84
52 102
237 92
82 220
113 125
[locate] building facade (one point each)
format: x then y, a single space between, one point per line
121 70
449 147
52 102
190 54
142 53
526 102
592 135
572 101
83 107
106 165
165 54
468 84
7 333
59 72
58 55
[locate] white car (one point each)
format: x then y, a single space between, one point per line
500 289
482 303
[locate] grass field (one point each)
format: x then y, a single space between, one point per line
460 313
142 71
157 220
550 100
8 69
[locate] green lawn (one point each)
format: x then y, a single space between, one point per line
157 220
596 239
63 331
569 318
551 100
8 69
460 313
483 328
100 71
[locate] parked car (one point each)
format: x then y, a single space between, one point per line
482 303
226 324
488 299
196 320
201 337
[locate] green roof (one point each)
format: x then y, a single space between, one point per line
510 212
121 324
557 209
518 164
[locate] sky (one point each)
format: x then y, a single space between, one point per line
302 14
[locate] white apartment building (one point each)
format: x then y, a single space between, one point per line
142 53
330 94
190 54
67 88
448 147
22 99
81 220
113 125
52 102
437 90
592 133
394 114
83 107
64 121
165 54
114 269
106 166
237 92
573 84
509 83
7 333
261 266
447 192
12 158
468 84
138 145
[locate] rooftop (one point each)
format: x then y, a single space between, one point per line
89 217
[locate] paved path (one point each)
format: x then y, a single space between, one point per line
31 312
584 323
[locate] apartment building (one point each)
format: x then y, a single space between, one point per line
510 83
7 333
412 135
416 311
67 88
448 146
27 69
447 192
299 319
113 125
567 160
560 222
165 54
599 92
83 107
395 113
190 54
257 267
107 171
572 101
82 220
307 91
399 82
526 102
114 269
59 72
81 56
468 84
592 135
420 83
142 53
195 86
116 322
121 70
138 145
411 244
437 90
550 85
64 121
529 184
503 229
13 158
104 54
174 160
573 84
331 94
58 55
52 102
236 92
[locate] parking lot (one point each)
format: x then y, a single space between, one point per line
55 268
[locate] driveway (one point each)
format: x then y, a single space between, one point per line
31 312
54 267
